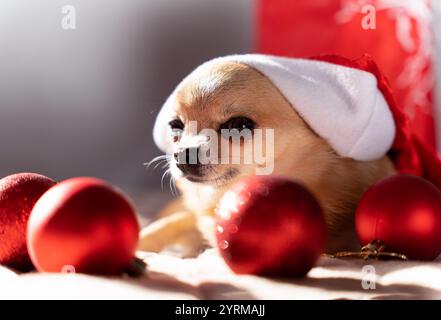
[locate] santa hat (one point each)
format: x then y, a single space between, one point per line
347 102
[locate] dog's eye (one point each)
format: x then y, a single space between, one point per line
238 123
176 126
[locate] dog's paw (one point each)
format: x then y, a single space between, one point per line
149 241
190 245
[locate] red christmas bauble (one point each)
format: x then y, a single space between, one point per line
18 194
403 212
82 225
269 225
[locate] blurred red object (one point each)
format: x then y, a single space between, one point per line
18 195
403 213
82 225
401 43
268 225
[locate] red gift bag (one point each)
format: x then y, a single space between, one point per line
396 33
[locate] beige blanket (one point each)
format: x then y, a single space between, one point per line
207 277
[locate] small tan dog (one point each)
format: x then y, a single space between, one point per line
236 96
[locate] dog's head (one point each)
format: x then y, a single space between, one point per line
227 121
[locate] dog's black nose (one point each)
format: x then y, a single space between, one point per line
187 156
187 160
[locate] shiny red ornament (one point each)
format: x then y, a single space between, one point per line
403 212
271 226
82 225
18 194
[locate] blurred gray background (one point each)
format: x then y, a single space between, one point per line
82 102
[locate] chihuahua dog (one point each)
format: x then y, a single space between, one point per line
229 95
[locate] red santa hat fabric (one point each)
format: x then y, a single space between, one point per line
409 154
348 103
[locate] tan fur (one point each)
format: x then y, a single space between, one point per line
213 95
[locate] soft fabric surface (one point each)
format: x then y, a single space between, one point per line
207 277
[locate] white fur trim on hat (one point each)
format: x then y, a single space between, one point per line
341 104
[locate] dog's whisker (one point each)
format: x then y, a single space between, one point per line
172 187
159 159
161 162
166 172
170 184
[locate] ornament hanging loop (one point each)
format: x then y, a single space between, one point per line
373 250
